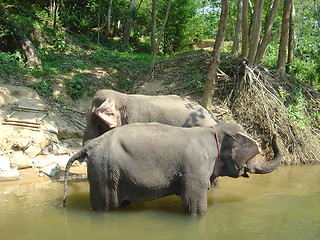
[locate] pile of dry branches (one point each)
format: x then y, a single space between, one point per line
253 97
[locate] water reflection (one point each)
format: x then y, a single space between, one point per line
282 205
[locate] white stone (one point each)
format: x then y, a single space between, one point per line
51 170
20 160
10 175
4 163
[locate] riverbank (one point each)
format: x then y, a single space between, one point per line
33 175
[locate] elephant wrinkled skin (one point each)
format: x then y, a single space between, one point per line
112 109
145 161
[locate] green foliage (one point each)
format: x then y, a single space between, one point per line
76 86
115 45
11 64
181 27
306 71
306 65
271 55
60 43
43 87
299 109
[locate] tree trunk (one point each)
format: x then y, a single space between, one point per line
245 29
316 11
213 67
28 50
128 23
281 64
255 31
291 34
153 62
154 25
237 33
51 8
55 13
267 31
109 18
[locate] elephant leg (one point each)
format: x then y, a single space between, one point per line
113 201
98 196
194 199
103 198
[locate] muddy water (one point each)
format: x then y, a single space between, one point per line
281 205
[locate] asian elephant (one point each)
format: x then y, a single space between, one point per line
145 161
112 109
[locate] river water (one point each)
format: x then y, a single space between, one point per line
284 204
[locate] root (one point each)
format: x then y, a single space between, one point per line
253 97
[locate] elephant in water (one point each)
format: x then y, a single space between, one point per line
145 161
112 109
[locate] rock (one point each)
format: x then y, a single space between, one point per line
66 133
33 151
20 160
22 144
63 159
51 170
41 161
10 175
4 163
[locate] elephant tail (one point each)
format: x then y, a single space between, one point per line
80 156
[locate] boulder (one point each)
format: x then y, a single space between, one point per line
4 163
50 170
10 175
19 160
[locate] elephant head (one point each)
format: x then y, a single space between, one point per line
106 112
241 154
258 165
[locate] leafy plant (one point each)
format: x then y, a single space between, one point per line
76 86
306 71
60 43
11 64
43 87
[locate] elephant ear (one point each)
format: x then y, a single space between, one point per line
108 113
244 148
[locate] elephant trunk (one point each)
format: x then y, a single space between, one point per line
258 165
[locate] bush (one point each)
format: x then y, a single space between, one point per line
76 86
11 64
306 71
43 87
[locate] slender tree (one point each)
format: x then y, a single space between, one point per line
157 44
255 31
237 32
245 29
109 11
281 63
55 13
153 26
267 31
291 34
128 22
213 66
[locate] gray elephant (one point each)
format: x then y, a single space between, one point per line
145 161
112 109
